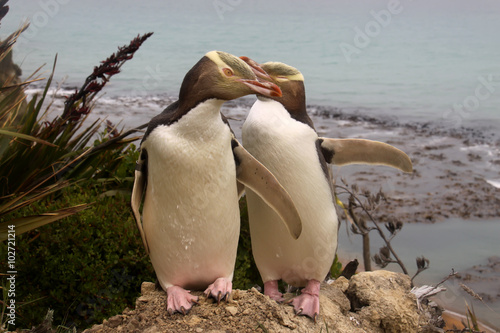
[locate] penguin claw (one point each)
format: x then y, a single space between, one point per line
179 300
219 290
219 296
307 304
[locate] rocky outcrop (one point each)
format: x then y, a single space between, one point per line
10 76
378 302
10 73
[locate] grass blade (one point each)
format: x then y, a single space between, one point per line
25 224
25 137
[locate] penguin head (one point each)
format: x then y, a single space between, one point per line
291 82
282 72
224 76
288 78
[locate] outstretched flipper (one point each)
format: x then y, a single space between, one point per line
138 192
362 151
259 179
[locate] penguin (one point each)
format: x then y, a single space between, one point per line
187 174
280 134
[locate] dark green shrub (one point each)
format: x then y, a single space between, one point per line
87 267
246 274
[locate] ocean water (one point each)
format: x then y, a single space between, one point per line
414 60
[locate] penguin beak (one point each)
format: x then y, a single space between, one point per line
264 86
268 89
256 68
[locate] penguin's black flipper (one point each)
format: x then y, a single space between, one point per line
361 151
138 191
259 179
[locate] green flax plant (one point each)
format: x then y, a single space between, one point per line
39 157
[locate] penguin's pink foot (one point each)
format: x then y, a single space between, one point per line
307 303
220 289
179 300
271 290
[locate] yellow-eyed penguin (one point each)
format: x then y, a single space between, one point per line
280 134
187 174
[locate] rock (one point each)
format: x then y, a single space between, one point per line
232 310
341 283
152 329
133 324
10 73
370 302
114 321
383 298
195 320
147 288
144 299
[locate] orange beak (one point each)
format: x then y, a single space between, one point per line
256 68
266 88
262 85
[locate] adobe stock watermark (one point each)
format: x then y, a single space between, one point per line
460 111
373 28
222 6
10 305
48 10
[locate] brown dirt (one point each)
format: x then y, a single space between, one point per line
250 311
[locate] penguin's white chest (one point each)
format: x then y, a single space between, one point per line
191 213
288 149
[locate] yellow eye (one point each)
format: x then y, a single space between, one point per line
227 72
